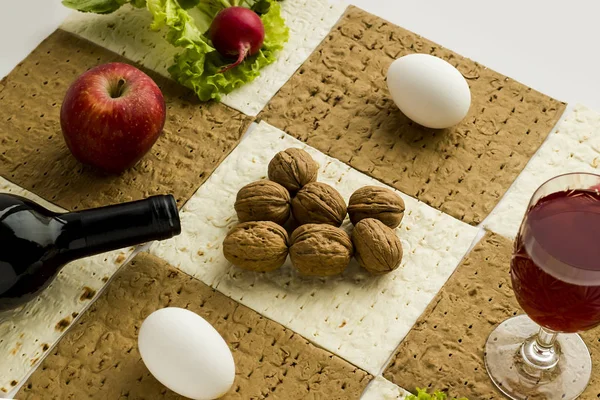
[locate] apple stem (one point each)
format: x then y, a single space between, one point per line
118 90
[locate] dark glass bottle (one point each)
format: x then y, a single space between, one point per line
36 243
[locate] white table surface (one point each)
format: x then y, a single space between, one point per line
550 45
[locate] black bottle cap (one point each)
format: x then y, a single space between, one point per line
166 215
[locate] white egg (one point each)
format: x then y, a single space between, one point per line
186 354
429 90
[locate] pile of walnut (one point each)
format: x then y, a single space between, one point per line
317 246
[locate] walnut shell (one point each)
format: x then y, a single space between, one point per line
256 246
376 202
378 249
320 250
319 203
263 201
293 168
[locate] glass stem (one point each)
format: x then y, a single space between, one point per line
541 352
545 339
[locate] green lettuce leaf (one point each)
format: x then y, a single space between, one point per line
197 66
101 6
183 31
187 4
198 69
437 395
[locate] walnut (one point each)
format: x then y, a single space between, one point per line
263 201
293 168
320 250
319 203
378 249
256 246
376 202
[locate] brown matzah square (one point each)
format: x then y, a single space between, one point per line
444 349
98 358
338 102
196 138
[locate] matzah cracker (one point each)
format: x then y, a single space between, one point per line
127 32
99 358
574 146
382 389
28 333
356 316
445 348
33 153
338 102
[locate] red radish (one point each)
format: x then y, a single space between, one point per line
237 32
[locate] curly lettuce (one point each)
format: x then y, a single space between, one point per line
101 6
199 70
198 66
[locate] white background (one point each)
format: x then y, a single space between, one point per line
550 45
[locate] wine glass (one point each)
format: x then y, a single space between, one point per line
555 273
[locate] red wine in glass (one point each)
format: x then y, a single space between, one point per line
555 270
555 273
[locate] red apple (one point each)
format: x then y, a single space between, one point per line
111 116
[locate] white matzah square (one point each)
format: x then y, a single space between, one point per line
359 317
382 389
574 146
28 333
127 32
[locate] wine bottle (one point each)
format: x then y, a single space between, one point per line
36 243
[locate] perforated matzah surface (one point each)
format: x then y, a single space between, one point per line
360 317
98 358
574 146
33 153
127 32
28 333
445 347
338 102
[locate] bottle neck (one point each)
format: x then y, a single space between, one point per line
90 232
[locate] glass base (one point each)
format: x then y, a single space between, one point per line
519 380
